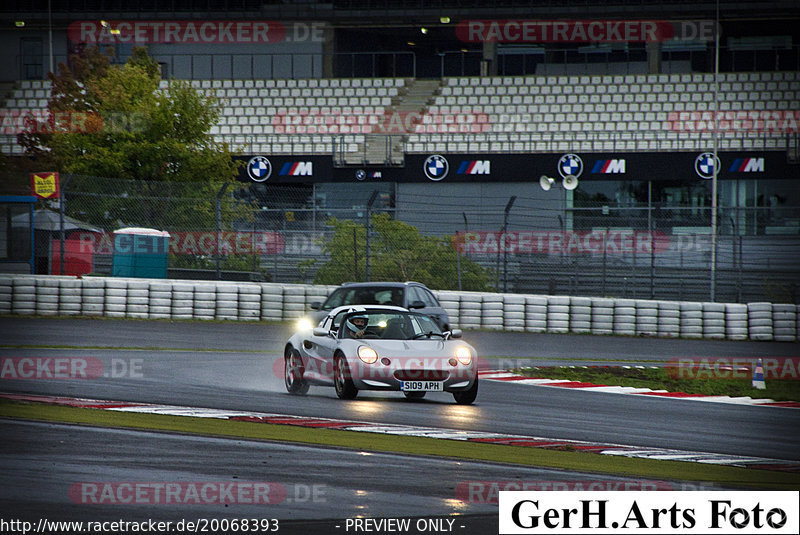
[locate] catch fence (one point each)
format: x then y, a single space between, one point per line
237 231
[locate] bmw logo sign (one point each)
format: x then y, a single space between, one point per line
361 175
436 167
259 169
704 165
570 164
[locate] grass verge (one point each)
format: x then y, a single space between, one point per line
663 379
472 451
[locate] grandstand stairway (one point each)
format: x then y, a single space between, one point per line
406 113
418 96
386 144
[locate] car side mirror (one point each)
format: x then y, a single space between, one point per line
416 304
319 331
455 333
315 305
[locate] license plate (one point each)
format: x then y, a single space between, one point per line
422 386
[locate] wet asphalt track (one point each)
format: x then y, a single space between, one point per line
180 363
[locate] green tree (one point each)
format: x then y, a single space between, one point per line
114 121
398 252
346 250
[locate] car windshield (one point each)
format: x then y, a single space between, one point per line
371 295
388 325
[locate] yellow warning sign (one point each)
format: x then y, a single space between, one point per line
45 185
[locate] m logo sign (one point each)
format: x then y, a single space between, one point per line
747 165
297 169
609 166
475 167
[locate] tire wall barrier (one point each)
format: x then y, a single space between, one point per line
46 295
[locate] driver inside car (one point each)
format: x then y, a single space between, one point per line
356 326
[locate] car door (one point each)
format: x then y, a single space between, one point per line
319 352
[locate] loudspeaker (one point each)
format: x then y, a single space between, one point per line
546 182
570 182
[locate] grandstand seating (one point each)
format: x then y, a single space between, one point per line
482 114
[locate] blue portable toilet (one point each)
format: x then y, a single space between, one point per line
140 252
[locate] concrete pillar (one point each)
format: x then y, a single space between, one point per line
654 57
328 48
489 60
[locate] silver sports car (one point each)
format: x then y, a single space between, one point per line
381 347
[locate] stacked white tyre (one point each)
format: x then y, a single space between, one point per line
736 321
759 321
205 301
182 301
514 312
6 293
646 318
69 297
669 319
714 321
249 302
227 301
691 319
469 316
625 317
784 322
93 291
138 299
536 313
580 315
47 292
558 313
116 297
294 301
23 297
160 299
492 311
271 302
602 315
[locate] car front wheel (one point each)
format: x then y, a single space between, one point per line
293 373
342 381
466 397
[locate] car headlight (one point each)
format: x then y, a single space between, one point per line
463 355
304 324
367 354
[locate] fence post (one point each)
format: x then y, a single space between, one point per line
61 209
219 227
355 253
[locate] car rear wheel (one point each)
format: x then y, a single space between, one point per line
293 373
414 395
466 397
342 381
